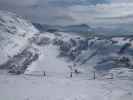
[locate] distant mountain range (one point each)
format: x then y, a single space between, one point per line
81 28
85 29
75 2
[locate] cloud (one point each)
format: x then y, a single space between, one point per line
18 2
102 14
120 1
105 13
76 2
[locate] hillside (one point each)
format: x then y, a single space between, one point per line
62 65
15 34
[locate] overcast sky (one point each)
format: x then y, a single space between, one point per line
101 13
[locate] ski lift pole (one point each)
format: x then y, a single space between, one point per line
71 74
71 70
94 75
44 74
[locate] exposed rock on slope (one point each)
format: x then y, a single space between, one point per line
15 34
96 52
21 45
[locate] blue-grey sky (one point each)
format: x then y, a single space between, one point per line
99 13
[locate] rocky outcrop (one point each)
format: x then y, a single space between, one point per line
15 36
106 53
19 63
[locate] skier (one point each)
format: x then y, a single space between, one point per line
44 74
71 74
94 75
71 71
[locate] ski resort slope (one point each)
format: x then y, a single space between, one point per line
49 62
49 88
34 53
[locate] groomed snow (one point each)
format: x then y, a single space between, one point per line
49 88
49 62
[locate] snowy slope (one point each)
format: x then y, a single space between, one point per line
56 52
100 54
48 88
49 62
24 50
14 34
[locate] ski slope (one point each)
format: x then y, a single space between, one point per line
49 62
49 88
17 34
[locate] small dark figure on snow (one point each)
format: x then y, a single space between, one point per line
94 75
44 74
71 70
76 71
71 74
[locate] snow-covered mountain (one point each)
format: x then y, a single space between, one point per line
82 29
61 65
59 51
15 34
23 48
98 53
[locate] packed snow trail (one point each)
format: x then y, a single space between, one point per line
48 88
49 62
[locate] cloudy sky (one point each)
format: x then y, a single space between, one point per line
96 13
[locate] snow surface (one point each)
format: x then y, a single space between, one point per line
49 88
49 62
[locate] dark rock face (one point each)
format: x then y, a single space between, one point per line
72 48
118 62
40 40
65 47
107 51
57 42
124 47
83 45
20 62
